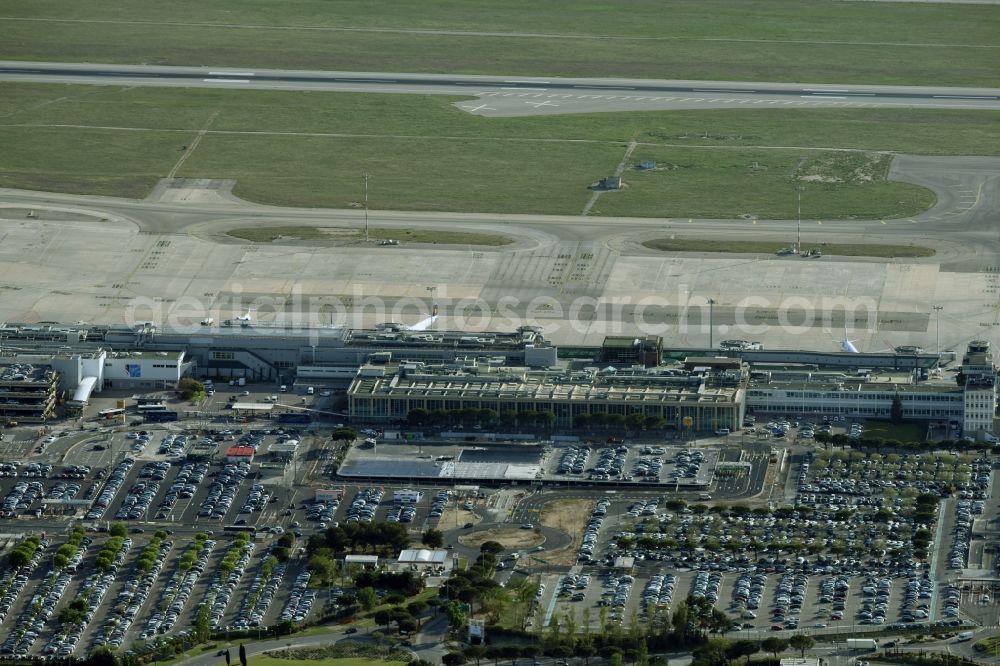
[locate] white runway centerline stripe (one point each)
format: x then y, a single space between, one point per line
239 74
226 80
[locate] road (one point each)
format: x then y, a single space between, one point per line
505 96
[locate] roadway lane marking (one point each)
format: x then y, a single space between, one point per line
964 97
226 80
529 89
823 96
825 90
241 74
722 90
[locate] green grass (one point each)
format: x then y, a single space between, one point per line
989 645
308 149
904 432
770 247
775 40
434 236
259 660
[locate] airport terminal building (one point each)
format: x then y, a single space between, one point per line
702 399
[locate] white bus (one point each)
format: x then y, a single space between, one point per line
111 413
158 407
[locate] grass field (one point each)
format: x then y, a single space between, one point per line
433 236
768 40
259 660
770 247
904 432
308 149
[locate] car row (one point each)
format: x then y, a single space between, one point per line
95 586
573 460
20 498
176 592
610 463
593 529
961 541
364 505
261 594
438 504
130 601
223 585
138 500
222 491
300 600
116 479
659 591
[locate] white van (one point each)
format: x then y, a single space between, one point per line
310 390
722 432
283 389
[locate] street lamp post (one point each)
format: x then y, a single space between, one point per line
711 323
364 175
937 330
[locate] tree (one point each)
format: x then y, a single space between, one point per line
476 652
118 530
801 642
101 656
18 558
416 609
418 416
774 645
743 648
432 538
344 435
491 548
381 617
190 389
367 598
896 410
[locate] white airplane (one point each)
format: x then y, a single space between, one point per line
426 323
247 316
847 345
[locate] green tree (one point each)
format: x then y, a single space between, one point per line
118 530
453 659
191 389
432 538
367 598
742 648
896 410
774 645
418 416
801 642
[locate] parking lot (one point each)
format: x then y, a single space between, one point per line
852 552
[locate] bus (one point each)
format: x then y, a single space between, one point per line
252 529
111 413
160 416
151 407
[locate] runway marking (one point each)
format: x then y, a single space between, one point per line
539 104
236 74
819 221
882 221
530 89
481 107
225 80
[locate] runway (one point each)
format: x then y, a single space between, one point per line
514 96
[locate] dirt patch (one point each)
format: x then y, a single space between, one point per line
569 516
511 538
453 517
